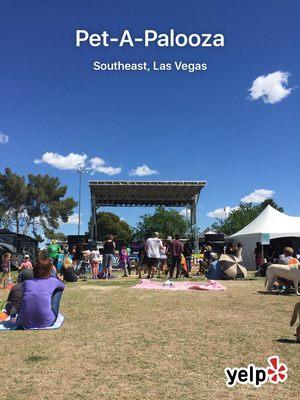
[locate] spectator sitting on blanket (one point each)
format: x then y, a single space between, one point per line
41 298
15 295
214 269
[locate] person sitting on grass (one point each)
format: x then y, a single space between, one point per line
41 298
214 269
287 257
68 271
282 284
15 295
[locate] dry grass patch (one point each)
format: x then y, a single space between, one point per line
134 344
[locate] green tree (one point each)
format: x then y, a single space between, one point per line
109 223
56 235
36 202
165 221
242 216
13 198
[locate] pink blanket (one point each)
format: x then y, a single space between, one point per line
209 285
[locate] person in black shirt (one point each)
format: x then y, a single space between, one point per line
187 252
108 256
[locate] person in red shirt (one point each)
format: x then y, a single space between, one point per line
26 263
175 249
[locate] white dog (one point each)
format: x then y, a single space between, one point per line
276 271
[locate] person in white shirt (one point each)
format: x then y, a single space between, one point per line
95 259
153 246
163 261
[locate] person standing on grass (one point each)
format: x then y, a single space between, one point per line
26 263
163 264
95 259
187 252
124 260
176 249
258 252
153 246
53 251
108 256
5 267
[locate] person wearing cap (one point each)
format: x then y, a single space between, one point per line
26 263
153 246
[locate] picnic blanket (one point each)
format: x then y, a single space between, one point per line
154 285
9 326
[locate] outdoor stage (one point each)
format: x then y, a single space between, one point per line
145 194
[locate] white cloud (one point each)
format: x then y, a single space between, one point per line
74 219
72 160
258 196
99 165
221 212
143 170
68 162
271 88
186 213
3 138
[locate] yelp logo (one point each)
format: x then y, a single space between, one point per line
275 372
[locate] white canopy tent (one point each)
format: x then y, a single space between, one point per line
271 222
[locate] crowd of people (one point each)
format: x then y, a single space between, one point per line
36 296
167 256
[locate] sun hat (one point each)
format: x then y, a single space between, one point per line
26 256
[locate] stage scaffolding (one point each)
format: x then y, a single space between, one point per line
145 194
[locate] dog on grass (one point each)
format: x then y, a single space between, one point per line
277 271
295 316
137 266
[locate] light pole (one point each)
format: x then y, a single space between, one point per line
80 169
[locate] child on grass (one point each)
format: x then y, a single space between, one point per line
5 267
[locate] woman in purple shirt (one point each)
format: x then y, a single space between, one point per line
41 298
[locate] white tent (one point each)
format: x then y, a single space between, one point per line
271 222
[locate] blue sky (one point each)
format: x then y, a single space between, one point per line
186 126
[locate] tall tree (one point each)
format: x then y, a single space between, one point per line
165 221
56 235
109 223
13 197
242 216
38 202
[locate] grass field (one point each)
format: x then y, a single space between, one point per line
119 343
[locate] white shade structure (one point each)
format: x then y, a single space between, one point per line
271 222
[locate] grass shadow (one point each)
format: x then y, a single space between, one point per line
36 358
289 341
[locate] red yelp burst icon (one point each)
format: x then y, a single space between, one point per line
277 371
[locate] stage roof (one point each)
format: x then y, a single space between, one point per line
138 193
